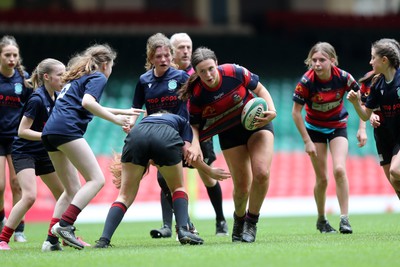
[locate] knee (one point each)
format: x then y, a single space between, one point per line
339 172
29 200
71 190
394 175
261 176
14 185
322 182
241 190
101 183
98 182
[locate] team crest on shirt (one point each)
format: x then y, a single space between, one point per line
236 98
298 89
18 88
172 85
398 92
208 111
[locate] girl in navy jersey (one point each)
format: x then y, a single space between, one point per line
157 87
321 90
162 138
29 157
182 54
14 92
62 135
217 95
157 90
384 96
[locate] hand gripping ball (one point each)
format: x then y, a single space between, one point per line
254 108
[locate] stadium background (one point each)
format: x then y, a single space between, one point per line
271 39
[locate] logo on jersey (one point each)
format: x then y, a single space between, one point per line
172 85
208 111
149 85
18 88
304 80
236 98
398 92
219 96
298 90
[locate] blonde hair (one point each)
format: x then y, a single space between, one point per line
325 48
88 61
116 170
45 66
10 40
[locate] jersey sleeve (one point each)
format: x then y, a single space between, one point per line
372 99
195 112
184 77
95 85
139 97
32 107
365 90
250 80
351 82
186 131
300 92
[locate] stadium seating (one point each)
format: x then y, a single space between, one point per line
97 17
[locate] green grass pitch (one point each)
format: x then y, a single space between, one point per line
283 241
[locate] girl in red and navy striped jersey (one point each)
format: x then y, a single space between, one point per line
321 90
217 95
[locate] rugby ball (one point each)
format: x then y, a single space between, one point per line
254 108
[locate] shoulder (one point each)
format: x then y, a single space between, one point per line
307 78
146 75
97 77
38 93
233 70
36 98
338 72
26 75
177 73
228 69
